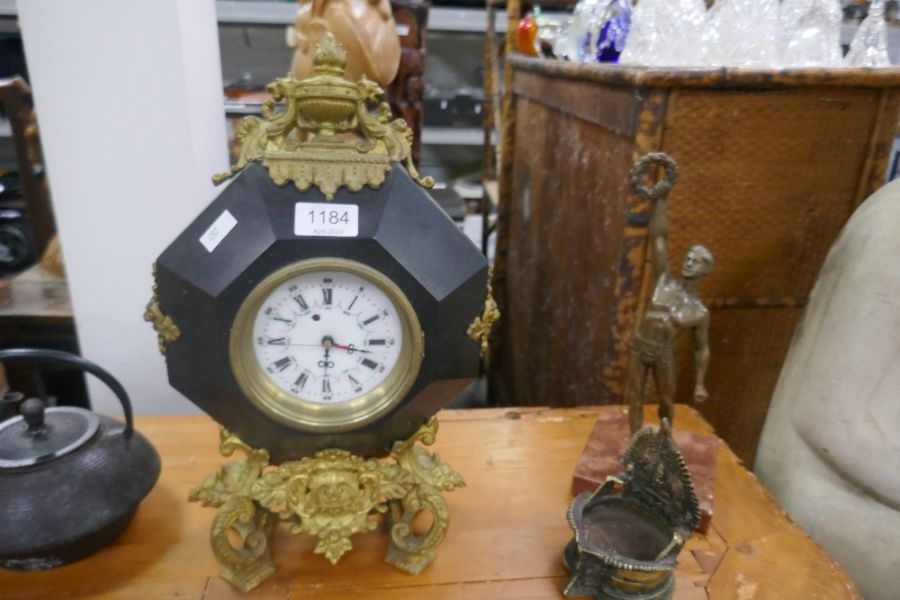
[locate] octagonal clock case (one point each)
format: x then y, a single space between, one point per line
308 323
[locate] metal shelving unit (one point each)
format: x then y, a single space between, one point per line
282 13
440 18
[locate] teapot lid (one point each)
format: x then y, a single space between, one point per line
40 434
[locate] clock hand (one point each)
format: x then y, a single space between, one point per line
350 349
327 342
300 345
333 345
326 362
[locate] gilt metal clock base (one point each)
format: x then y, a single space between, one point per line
331 495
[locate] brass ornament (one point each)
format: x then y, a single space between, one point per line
626 543
327 134
673 306
480 329
166 329
332 495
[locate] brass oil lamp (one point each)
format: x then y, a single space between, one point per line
626 542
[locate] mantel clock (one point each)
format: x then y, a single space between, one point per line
322 309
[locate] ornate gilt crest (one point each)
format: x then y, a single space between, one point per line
330 132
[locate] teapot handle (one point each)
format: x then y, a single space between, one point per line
72 360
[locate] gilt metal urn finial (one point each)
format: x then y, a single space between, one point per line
330 57
326 131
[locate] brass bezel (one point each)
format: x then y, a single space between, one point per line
312 416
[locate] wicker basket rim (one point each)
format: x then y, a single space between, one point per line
708 77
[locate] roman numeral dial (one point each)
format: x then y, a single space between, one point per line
328 336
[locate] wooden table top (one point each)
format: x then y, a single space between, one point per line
506 535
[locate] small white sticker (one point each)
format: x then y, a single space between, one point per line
402 29
326 220
217 231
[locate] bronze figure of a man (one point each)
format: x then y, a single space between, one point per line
672 307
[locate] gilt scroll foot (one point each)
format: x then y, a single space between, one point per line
241 536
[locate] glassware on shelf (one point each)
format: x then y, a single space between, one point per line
596 32
612 31
665 33
733 33
526 36
869 45
811 33
548 31
561 46
575 36
742 33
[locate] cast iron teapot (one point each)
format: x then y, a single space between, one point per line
70 480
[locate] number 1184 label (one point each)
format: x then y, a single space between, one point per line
326 219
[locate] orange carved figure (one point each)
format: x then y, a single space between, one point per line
365 28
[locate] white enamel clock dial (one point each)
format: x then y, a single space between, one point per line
326 344
327 336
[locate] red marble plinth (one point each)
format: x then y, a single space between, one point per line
609 441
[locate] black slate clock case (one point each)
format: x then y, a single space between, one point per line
403 234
